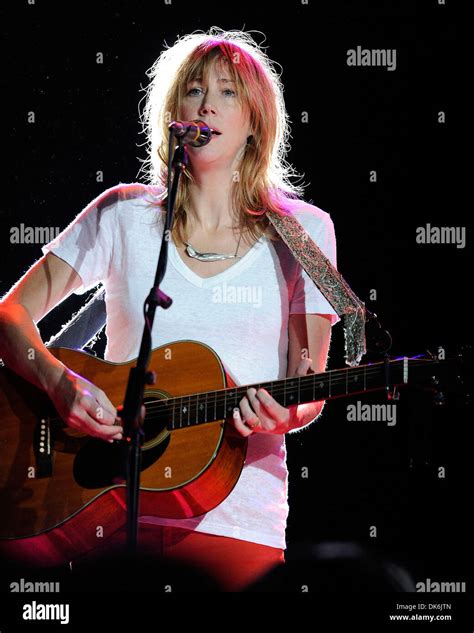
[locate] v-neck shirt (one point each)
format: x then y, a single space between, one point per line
229 273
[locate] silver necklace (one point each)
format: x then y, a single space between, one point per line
211 257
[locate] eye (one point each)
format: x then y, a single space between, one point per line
190 92
232 92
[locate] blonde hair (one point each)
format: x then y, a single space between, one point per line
264 176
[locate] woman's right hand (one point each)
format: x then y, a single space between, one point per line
85 407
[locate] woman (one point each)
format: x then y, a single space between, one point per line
282 328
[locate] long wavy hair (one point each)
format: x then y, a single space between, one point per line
265 178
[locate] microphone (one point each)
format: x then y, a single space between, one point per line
195 133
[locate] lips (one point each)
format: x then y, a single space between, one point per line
214 131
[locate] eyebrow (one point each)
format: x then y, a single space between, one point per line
223 79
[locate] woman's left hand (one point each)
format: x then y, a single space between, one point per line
259 412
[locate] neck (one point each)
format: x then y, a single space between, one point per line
210 206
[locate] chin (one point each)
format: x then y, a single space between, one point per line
205 154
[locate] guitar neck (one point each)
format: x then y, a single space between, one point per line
208 406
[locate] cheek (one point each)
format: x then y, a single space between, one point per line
186 113
244 121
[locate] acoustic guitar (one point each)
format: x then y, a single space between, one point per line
51 475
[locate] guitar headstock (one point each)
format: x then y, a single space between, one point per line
450 374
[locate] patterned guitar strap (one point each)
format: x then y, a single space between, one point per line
329 281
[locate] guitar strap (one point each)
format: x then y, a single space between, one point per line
91 318
330 282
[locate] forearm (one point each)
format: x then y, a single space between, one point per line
305 414
23 351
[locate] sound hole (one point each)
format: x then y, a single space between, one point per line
99 464
156 419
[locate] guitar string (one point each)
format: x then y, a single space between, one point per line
306 381
164 404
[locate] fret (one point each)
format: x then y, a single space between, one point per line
202 408
181 413
215 405
284 393
299 389
330 384
291 386
172 413
199 409
205 411
365 377
189 410
314 388
230 407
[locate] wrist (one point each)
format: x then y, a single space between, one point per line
50 373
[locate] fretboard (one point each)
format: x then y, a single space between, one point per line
200 408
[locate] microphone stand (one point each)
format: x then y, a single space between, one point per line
139 375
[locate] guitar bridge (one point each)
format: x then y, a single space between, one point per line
42 446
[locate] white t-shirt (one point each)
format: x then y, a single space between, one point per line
116 240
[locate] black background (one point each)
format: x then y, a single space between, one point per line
360 119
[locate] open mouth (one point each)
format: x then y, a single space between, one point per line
216 132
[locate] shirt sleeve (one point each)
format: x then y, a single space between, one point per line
87 242
307 298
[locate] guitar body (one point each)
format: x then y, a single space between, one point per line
54 507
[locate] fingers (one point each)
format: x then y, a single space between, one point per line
119 424
105 412
86 407
84 422
251 416
101 413
239 424
99 416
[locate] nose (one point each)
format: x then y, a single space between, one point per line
206 108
